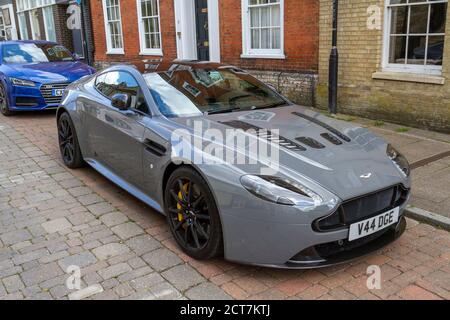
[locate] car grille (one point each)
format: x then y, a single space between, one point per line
47 89
362 208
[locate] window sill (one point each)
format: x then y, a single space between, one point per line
263 56
151 53
408 77
116 52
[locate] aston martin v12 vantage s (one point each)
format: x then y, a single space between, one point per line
236 168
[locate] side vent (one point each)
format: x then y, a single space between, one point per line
265 134
310 142
323 125
331 138
154 148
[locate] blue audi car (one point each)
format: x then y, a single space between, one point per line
34 75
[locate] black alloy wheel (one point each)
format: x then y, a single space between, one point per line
192 214
68 142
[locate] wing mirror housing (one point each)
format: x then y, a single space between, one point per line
121 101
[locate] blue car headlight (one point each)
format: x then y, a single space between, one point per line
398 159
282 191
22 83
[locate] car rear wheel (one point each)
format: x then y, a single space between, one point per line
192 214
68 142
4 105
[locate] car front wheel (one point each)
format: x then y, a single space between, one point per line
4 105
68 142
192 214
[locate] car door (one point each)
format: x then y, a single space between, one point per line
116 136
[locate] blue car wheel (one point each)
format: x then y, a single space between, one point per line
4 106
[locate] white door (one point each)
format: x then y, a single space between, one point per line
185 24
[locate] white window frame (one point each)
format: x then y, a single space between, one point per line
109 48
46 26
404 68
144 50
23 28
247 52
26 7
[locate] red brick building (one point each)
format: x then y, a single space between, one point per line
276 40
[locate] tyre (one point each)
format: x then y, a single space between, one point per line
192 214
68 142
4 104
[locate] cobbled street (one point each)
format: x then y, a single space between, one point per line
52 218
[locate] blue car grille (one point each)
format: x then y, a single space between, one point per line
47 92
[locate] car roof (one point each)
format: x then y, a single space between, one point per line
26 41
163 66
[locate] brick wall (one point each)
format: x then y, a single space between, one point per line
294 76
63 34
131 34
410 103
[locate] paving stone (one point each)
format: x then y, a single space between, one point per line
161 259
16 237
110 250
207 291
56 225
86 292
101 208
114 271
29 256
143 244
163 291
13 284
127 230
81 260
147 281
183 277
113 219
41 273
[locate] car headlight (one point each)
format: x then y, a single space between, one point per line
398 159
281 191
22 83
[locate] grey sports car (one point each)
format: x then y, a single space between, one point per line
237 169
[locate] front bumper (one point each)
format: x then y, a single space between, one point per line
265 234
31 99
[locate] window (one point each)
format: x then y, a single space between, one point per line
49 23
36 10
35 53
191 92
149 27
414 41
113 26
262 27
23 26
114 82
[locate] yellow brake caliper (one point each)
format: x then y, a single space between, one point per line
180 196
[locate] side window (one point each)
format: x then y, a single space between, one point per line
100 83
122 82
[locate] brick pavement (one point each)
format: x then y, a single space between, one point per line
52 218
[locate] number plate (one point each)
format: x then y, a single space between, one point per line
57 92
370 226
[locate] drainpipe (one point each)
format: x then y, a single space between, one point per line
333 67
87 31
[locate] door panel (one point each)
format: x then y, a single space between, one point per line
116 137
201 14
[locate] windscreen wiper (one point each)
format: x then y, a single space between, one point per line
222 111
270 106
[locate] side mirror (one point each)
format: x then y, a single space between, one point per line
77 57
121 101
